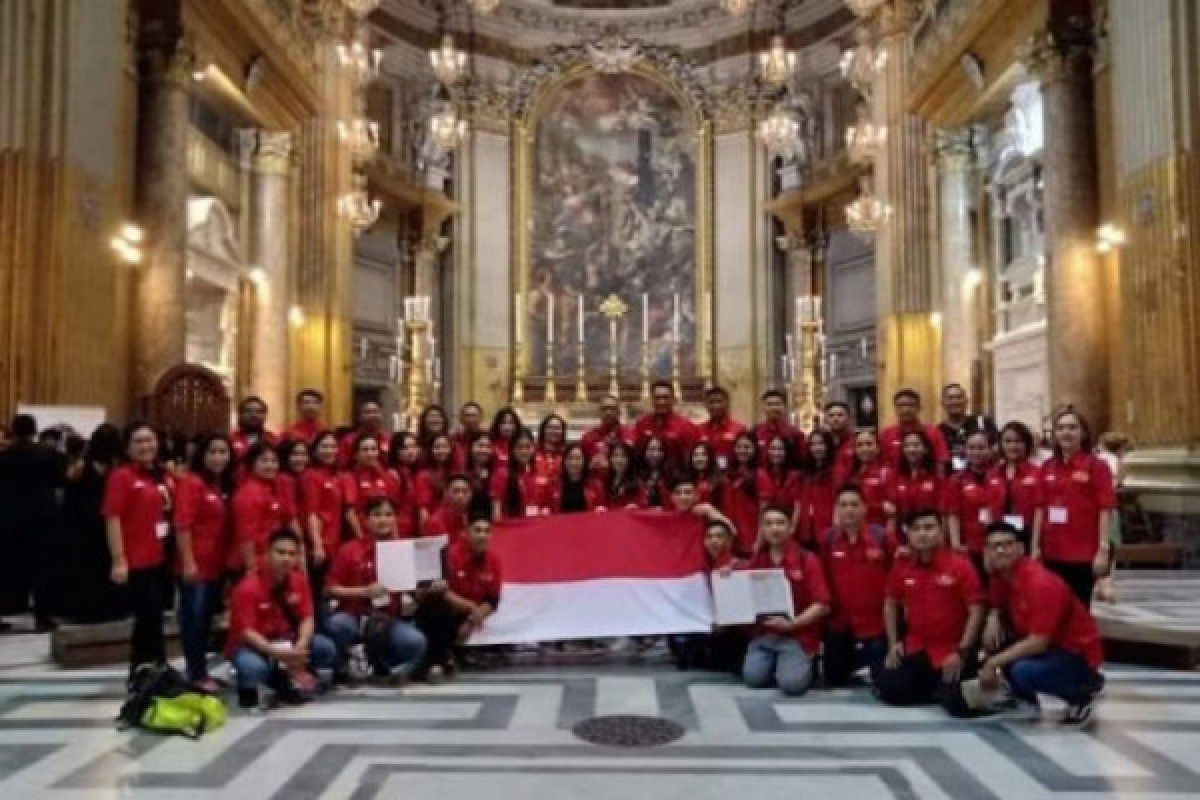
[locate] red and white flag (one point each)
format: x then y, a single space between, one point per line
617 573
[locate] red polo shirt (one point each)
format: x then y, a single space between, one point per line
630 493
738 500
720 436
775 489
346 446
406 508
593 496
857 573
891 443
676 431
804 573
258 511
816 506
1015 499
500 450
254 607
844 458
600 439
474 576
363 484
873 481
135 497
304 430
764 432
1038 603
429 486
921 489
969 499
242 441
548 465
445 521
203 511
325 498
532 489
354 568
1073 495
937 598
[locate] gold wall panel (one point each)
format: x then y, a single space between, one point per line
910 356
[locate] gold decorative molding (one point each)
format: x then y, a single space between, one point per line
1061 52
273 152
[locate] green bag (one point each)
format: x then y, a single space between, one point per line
168 715
208 706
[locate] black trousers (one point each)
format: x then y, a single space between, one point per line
723 650
146 601
1078 577
916 682
843 655
439 621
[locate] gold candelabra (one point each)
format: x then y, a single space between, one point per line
581 388
613 309
551 392
675 383
807 387
416 329
645 373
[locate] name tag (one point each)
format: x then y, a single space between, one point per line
722 463
531 511
985 516
161 530
1016 520
1057 515
959 463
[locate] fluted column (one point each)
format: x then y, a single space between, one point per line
1076 312
161 201
959 323
270 164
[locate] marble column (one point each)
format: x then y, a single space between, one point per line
270 163
161 193
1076 310
959 323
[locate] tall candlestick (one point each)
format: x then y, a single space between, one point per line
833 365
675 319
581 319
645 317
550 318
362 348
517 317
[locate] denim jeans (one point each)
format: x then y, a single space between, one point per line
197 602
253 667
782 657
1054 672
406 644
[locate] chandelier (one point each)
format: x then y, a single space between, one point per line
779 131
361 137
484 6
361 7
448 62
362 61
447 127
736 8
860 63
863 8
864 140
867 212
359 210
777 63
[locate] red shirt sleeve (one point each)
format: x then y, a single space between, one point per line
300 587
1102 479
1052 606
969 584
245 515
941 454
819 588
116 493
951 497
187 503
349 489
340 574
895 583
243 613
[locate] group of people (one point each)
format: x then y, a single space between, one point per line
888 539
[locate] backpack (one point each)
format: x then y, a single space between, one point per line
159 699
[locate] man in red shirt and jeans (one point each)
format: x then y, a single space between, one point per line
272 639
1040 636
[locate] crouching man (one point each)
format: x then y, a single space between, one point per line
366 611
272 639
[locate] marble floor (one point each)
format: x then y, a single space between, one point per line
507 733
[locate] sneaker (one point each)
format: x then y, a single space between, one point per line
1079 715
248 698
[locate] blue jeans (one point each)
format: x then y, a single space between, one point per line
253 667
406 644
1056 673
197 603
779 655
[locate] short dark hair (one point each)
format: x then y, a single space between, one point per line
837 404
313 393
780 393
777 508
24 426
378 502
682 480
950 386
848 488
906 392
253 399
471 404
1005 528
457 476
720 524
662 383
716 391
286 535
915 514
479 514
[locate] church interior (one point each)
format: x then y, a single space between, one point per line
541 204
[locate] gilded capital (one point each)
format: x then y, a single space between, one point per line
953 149
1060 52
170 63
273 152
896 17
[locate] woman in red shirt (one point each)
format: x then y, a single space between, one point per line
505 425
431 478
1014 487
404 459
622 489
967 499
738 498
1070 530
515 490
433 422
365 481
575 490
916 483
702 469
817 489
871 475
137 505
552 441
778 482
259 508
654 473
480 465
202 536
293 460
324 507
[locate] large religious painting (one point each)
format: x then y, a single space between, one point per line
613 210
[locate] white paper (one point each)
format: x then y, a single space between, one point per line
427 557
162 529
1058 515
401 564
1016 520
744 595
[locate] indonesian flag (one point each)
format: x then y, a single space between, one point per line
614 573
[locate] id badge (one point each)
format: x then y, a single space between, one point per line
161 530
1057 515
531 511
985 516
959 463
1016 520
722 463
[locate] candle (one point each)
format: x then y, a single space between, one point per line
787 348
396 426
783 369
362 348
645 317
392 370
550 318
437 370
429 370
833 365
517 316
862 345
581 319
675 319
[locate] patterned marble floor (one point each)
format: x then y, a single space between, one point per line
507 734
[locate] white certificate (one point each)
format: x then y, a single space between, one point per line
403 563
743 596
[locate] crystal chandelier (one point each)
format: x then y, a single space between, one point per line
447 127
361 7
779 131
361 137
860 63
362 61
484 6
863 8
867 212
777 63
864 140
736 8
357 207
448 62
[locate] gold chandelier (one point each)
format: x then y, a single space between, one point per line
736 8
357 207
447 127
362 61
448 62
777 63
863 8
867 212
864 141
779 131
361 7
860 64
361 137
